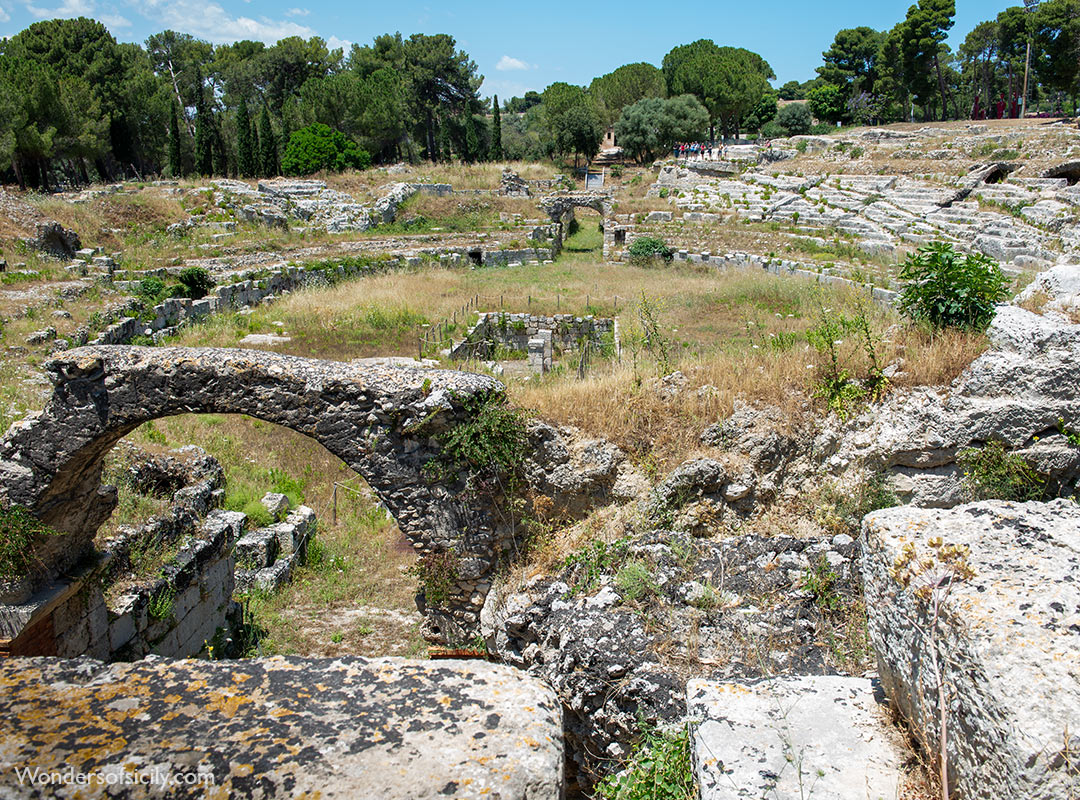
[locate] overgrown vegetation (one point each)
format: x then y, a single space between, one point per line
992 472
20 531
646 250
659 768
489 446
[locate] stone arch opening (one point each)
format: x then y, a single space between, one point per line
1070 171
382 421
557 206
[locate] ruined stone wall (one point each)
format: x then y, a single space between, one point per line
513 331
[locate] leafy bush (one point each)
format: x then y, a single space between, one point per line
648 248
151 289
659 768
948 290
490 445
195 282
318 147
795 119
821 581
993 473
772 130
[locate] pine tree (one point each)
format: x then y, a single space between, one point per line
495 153
176 164
245 153
268 153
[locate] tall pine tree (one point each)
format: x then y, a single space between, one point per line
245 150
496 153
176 163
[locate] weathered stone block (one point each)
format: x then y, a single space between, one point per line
385 728
1008 642
792 738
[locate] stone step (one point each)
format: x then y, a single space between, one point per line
792 738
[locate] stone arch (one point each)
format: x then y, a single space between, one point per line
380 420
557 206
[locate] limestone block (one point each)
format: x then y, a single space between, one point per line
1008 639
385 728
257 549
794 737
275 503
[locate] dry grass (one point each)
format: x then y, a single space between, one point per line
108 221
460 176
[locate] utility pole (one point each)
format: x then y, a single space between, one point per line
1030 6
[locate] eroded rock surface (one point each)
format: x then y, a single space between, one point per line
1008 641
282 727
618 629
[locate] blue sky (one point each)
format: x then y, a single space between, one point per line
517 46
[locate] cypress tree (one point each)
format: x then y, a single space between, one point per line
268 153
221 154
472 143
495 153
245 153
176 164
256 157
443 148
204 134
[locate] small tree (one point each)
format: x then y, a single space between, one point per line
795 119
496 153
826 102
948 290
319 147
196 282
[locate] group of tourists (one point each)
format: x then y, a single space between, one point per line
699 151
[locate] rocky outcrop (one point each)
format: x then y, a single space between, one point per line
394 194
618 627
1006 640
384 422
1018 392
574 474
794 737
513 185
279 727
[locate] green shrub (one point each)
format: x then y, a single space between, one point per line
795 119
318 147
649 248
161 604
587 565
659 768
820 580
490 445
195 282
151 289
993 473
19 530
949 290
772 130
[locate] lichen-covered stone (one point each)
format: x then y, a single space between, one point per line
282 727
1008 641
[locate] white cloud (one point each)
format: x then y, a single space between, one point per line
297 12
4 15
506 64
114 21
211 22
333 43
66 10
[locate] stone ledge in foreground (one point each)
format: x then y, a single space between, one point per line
794 737
282 727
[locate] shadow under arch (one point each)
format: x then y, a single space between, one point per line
382 421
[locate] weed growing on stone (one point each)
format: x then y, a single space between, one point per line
659 768
634 580
930 578
821 580
19 531
161 602
993 473
437 575
490 446
586 566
